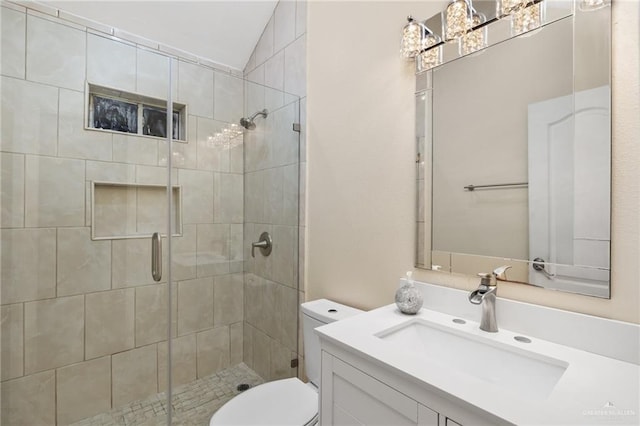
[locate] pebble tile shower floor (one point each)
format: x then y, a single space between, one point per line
193 403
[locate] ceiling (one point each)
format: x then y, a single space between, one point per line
224 31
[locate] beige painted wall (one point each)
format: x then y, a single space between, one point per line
361 181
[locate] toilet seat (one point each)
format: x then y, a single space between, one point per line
287 402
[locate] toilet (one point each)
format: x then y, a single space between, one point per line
287 402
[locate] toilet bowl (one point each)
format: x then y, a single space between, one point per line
287 402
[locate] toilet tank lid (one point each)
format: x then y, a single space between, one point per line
328 311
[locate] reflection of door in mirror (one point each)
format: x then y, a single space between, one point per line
568 177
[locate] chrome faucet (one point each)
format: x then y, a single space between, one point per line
485 295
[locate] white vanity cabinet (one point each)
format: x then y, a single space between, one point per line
354 391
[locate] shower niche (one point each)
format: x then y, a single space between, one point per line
123 210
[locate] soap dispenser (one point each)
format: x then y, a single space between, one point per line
409 297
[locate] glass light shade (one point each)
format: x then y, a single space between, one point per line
527 19
508 7
429 59
412 36
457 19
476 39
587 5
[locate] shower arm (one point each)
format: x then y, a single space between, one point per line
262 113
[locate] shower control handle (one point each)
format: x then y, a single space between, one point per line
156 256
264 244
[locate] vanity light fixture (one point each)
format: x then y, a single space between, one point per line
457 19
527 19
467 23
413 35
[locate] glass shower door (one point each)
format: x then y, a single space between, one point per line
84 187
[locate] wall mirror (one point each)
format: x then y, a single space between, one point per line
514 163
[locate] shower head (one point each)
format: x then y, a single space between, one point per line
248 123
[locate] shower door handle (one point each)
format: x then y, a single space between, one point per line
156 257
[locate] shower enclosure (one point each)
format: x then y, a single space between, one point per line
92 167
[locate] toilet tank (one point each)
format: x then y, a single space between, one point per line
314 314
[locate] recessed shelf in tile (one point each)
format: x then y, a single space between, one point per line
128 210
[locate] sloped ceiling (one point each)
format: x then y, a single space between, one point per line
222 31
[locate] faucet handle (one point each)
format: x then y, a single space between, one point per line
485 278
501 272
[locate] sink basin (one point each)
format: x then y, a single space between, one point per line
509 367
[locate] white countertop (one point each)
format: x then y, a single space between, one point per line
592 390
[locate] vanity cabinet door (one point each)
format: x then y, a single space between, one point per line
426 416
351 397
452 423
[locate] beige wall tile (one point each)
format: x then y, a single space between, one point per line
53 333
74 140
295 68
261 354
264 48
134 375
284 254
213 351
274 71
55 192
184 254
273 195
104 70
131 264
195 88
211 156
155 175
83 390
153 74
195 305
228 299
247 344
280 361
135 149
29 400
301 17
83 265
28 264
236 248
13 43
114 210
11 190
38 134
228 198
46 63
152 313
12 341
197 196
289 318
109 322
236 354
285 21
213 249
290 188
183 361
228 98
110 172
151 213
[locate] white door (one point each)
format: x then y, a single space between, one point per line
569 191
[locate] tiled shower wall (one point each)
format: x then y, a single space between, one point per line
83 323
275 173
